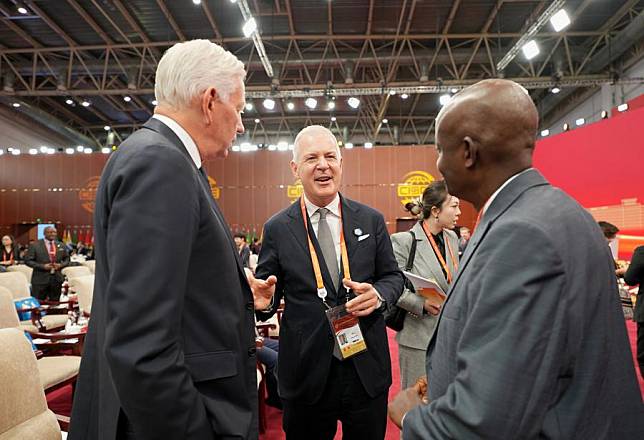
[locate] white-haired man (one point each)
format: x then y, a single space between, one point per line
331 259
170 352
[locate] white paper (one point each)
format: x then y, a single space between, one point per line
422 283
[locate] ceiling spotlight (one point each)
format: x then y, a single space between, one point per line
269 104
555 90
545 132
249 27
580 121
235 147
196 2
392 92
333 119
282 146
106 150
87 151
69 101
604 114
385 121
154 102
290 105
404 96
107 128
454 90
348 145
272 147
22 10
311 103
248 106
530 49
44 149
566 127
560 20
80 148
1 151
330 105
69 150
353 102
33 151
86 103
16 152
16 104
368 145
444 99
127 99
622 107
257 121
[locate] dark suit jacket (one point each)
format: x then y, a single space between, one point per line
171 345
531 341
244 255
635 275
38 255
306 341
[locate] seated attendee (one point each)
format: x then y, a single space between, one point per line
634 276
47 257
10 251
82 249
242 248
267 354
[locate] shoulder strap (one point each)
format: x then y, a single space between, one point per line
412 252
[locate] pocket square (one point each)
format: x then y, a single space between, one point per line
362 237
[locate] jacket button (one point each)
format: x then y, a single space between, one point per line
251 351
250 306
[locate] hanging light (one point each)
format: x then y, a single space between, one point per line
269 104
530 49
560 20
311 103
353 102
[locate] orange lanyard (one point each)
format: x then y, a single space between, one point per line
430 237
314 256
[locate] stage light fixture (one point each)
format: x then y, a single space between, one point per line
106 150
353 102
604 114
33 151
530 49
249 27
545 132
80 148
69 150
333 119
86 103
44 149
330 105
154 102
290 105
127 99
69 101
444 99
235 148
107 128
311 103
580 121
555 90
87 151
348 145
368 145
269 104
16 151
196 2
385 121
257 121
392 92
404 96
248 106
16 104
22 10
622 107
560 20
566 127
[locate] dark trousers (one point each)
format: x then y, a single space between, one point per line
640 346
344 399
49 290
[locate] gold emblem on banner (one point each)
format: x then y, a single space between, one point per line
414 183
216 191
87 194
293 192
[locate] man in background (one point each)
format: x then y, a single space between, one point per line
531 341
47 257
243 249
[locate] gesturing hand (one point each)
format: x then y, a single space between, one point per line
263 290
366 300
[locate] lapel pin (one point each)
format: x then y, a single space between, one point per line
357 231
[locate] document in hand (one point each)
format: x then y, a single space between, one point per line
426 287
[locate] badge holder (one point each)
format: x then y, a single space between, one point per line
346 329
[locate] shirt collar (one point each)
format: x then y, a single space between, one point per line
333 207
183 136
500 188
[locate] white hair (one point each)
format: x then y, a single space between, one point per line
187 69
310 131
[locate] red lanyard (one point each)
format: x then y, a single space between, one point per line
314 256
430 237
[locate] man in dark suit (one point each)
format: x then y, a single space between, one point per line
318 388
242 247
170 352
47 257
634 276
531 341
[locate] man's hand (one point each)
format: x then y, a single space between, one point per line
366 300
48 266
57 266
263 290
406 400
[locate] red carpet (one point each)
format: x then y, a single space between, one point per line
60 401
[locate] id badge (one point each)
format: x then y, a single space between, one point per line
346 329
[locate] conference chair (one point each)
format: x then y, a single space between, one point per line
75 271
22 268
90 264
23 408
83 287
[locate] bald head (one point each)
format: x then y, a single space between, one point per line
486 133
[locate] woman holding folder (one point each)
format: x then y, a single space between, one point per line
436 260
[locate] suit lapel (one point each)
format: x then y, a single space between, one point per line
350 223
296 225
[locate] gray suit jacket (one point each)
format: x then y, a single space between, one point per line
170 352
531 342
418 326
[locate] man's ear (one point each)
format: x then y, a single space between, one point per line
294 169
470 151
208 99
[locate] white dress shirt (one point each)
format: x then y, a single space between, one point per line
183 136
332 219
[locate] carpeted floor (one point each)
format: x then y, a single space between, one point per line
60 400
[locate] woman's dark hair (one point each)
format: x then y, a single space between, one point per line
13 240
609 229
434 195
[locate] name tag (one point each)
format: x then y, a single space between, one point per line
346 329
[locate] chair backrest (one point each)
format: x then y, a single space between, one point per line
8 313
76 271
23 408
22 268
84 288
16 283
90 264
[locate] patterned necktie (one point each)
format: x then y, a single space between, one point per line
328 247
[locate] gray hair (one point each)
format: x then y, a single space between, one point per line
309 131
188 69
